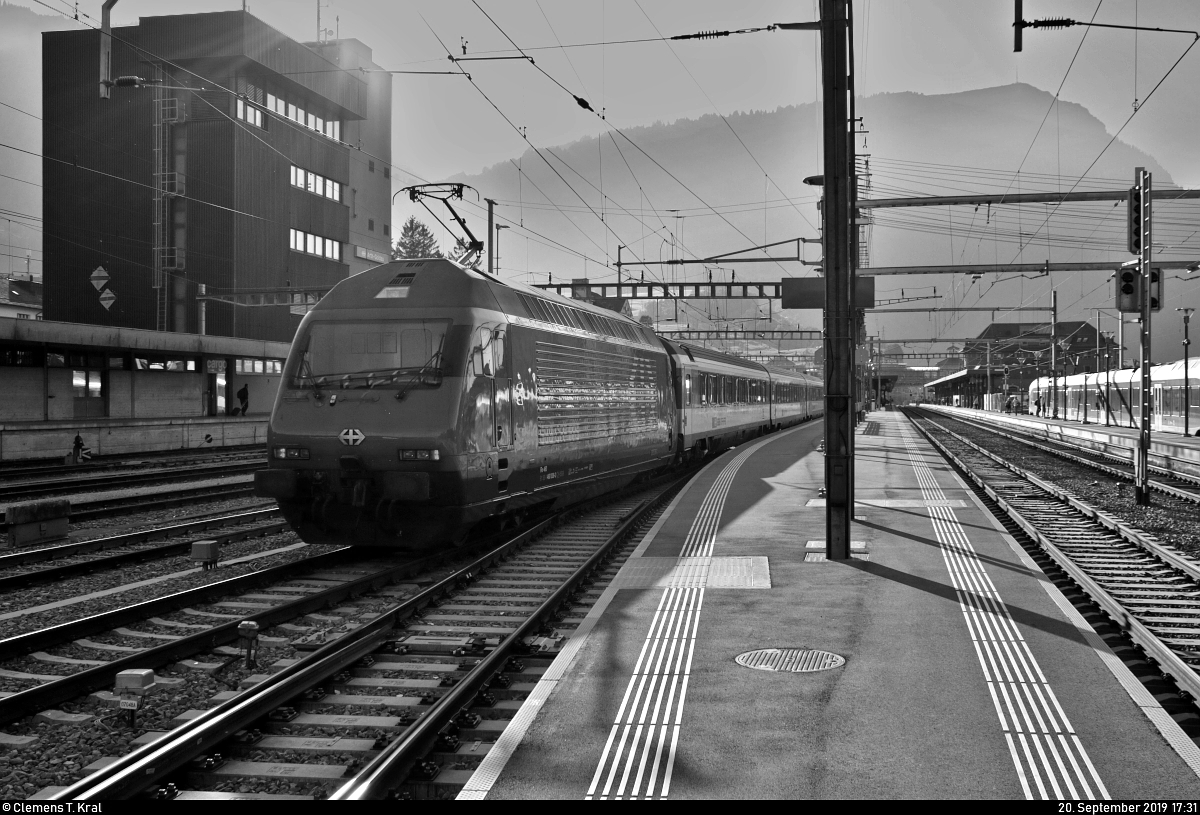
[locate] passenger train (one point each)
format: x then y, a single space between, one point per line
1121 391
422 399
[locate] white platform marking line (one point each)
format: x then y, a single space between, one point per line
1030 668
493 764
673 636
994 632
1012 750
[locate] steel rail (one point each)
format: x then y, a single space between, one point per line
154 763
86 511
62 550
1113 450
1125 531
108 481
15 469
1166 658
69 687
1166 489
24 579
390 768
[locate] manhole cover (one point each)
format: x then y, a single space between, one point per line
789 660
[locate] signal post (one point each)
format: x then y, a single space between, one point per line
1139 291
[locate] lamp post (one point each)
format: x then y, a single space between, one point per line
1187 318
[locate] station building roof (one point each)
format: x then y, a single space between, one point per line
960 374
82 335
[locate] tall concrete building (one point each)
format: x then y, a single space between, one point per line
246 169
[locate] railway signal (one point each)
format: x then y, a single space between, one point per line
1129 288
1133 220
1156 280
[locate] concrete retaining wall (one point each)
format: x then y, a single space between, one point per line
106 437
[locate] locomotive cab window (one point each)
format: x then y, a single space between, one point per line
350 355
483 355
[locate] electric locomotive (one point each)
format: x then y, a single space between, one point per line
422 399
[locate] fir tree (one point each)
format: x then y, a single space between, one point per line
415 241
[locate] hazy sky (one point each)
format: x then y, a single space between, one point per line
444 126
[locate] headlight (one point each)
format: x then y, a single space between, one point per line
291 452
419 455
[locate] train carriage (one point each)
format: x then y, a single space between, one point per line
1117 393
722 399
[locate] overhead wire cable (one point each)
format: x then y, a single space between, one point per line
583 103
724 119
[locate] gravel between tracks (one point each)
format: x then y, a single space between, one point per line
39 595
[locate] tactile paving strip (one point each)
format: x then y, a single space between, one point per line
709 572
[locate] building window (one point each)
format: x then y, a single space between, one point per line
251 114
258 366
387 172
370 224
301 241
316 184
329 128
387 230
370 166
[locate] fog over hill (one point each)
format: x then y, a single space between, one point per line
916 145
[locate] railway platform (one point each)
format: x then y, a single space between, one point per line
938 663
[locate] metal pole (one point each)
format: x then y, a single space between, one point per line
839 315
1187 401
492 234
105 48
1053 354
1142 468
987 389
1107 383
1120 342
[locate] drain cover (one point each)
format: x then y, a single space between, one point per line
789 660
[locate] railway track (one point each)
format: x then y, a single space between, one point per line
121 480
406 704
1167 481
17 470
1149 591
109 506
202 630
201 523
255 523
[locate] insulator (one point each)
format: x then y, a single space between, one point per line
1053 22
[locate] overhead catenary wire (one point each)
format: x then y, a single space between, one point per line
587 106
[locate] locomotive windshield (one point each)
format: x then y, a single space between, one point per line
391 354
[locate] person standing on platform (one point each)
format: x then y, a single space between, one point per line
1037 406
244 397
